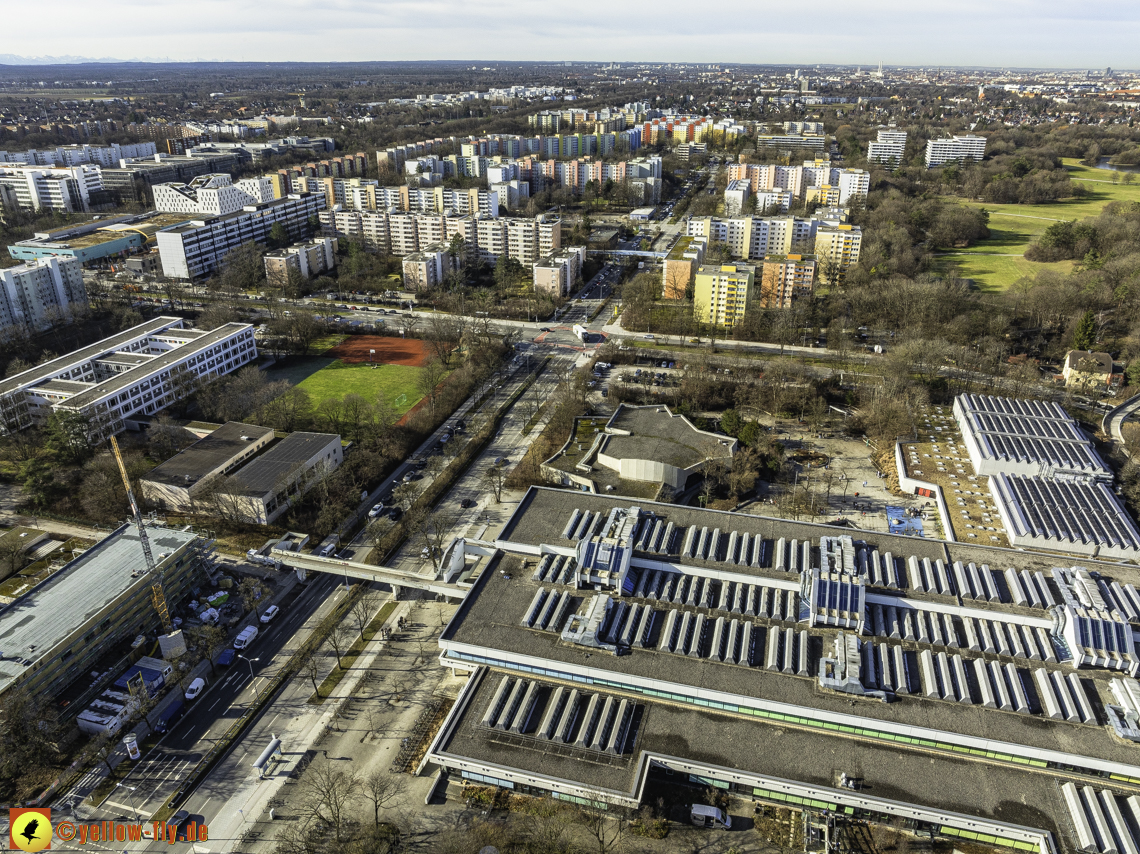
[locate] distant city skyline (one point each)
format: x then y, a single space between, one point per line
1040 34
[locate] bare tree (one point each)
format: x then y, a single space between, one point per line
382 788
606 832
493 479
362 610
311 667
429 379
340 639
210 640
330 793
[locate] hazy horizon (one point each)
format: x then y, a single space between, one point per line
1004 33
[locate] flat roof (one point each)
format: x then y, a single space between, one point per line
86 354
165 360
752 746
208 454
261 475
34 624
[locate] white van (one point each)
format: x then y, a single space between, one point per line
245 638
702 815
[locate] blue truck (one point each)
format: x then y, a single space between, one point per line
170 716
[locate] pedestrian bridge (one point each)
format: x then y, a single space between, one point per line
368 572
627 253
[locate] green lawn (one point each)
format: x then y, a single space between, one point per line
996 263
337 379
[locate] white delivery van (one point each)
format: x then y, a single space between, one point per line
245 638
702 815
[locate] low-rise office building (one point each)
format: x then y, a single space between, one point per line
117 383
267 486
176 483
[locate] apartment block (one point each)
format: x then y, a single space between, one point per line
199 247
836 249
424 270
65 189
680 266
753 237
888 148
38 294
721 294
735 196
557 274
120 381
308 259
956 149
784 278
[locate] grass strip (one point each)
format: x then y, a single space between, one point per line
324 691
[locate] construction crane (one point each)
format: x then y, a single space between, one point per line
156 590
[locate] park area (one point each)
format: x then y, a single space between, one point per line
372 366
996 263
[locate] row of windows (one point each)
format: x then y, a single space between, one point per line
795 720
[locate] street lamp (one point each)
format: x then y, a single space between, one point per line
130 798
252 678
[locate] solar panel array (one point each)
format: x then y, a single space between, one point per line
589 721
1065 511
1034 432
1103 821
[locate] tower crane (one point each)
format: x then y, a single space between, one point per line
157 594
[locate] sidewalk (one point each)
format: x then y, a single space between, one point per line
246 795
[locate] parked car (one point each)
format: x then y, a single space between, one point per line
270 614
376 510
227 657
195 688
395 513
467 502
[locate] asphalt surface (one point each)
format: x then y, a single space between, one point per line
205 720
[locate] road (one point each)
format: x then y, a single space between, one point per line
1114 419
158 774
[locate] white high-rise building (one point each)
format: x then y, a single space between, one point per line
889 148
852 183
36 295
957 148
49 188
210 195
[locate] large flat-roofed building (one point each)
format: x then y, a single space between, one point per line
1084 518
956 149
265 487
64 189
199 247
557 274
784 278
638 448
308 259
1027 437
39 294
88 612
616 645
126 377
680 265
98 239
174 484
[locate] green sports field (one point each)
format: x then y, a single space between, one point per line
996 263
325 378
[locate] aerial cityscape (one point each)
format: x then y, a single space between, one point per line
725 453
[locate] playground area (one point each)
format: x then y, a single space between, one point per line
378 349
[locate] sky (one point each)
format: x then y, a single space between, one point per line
1033 33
